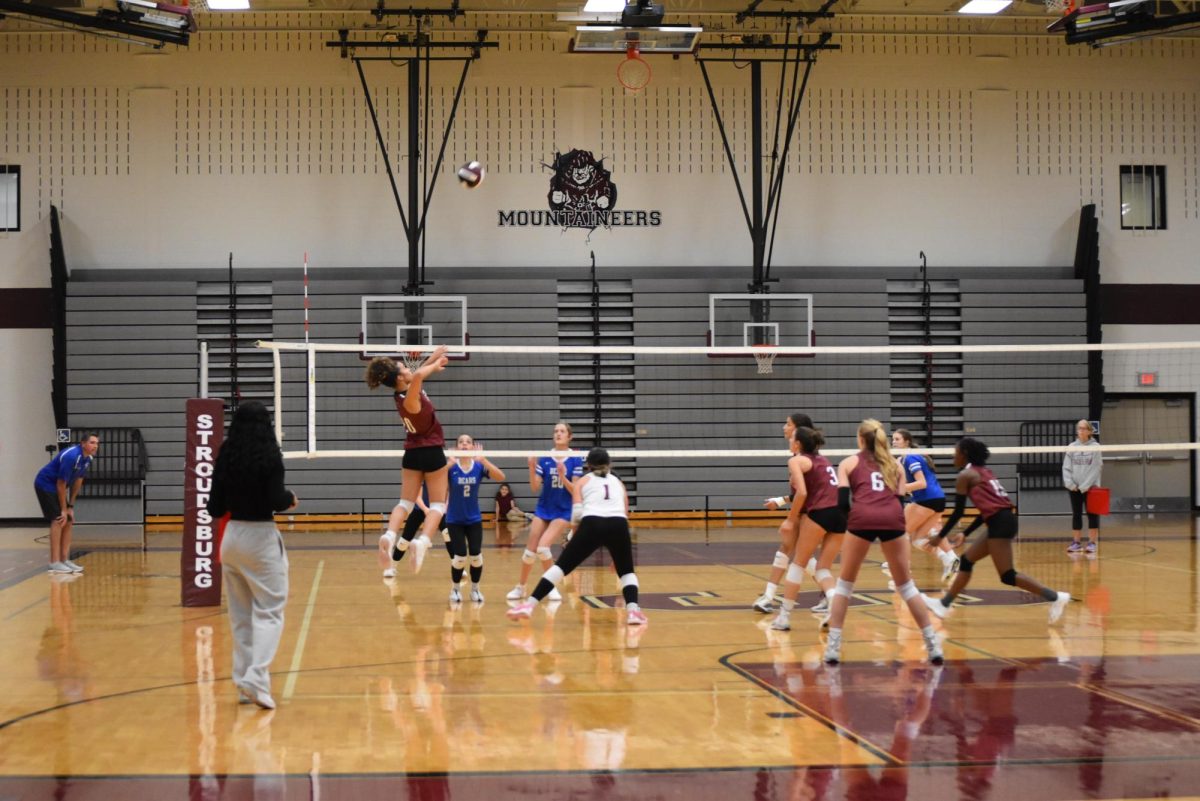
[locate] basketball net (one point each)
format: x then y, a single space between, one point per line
765 358
633 73
413 359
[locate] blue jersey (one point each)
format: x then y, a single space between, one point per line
916 463
555 501
464 494
67 465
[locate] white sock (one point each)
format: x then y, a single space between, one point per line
392 534
770 590
946 556
928 631
632 607
788 605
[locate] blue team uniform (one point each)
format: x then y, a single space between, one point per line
555 501
70 464
914 463
463 508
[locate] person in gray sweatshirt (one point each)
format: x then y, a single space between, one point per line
1081 472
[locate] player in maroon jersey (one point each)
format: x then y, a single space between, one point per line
424 456
977 481
822 526
873 479
765 603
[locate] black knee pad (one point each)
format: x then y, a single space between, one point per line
965 565
1009 577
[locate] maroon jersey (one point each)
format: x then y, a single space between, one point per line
821 483
423 428
988 495
874 506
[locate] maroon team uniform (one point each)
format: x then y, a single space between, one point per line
988 495
873 509
822 491
423 428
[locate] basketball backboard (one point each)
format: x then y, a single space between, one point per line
743 320
393 325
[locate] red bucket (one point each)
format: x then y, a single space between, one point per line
1098 500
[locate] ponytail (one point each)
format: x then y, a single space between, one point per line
871 433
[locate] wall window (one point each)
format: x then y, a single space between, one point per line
1143 197
10 197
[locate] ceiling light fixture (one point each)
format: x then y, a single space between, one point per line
984 6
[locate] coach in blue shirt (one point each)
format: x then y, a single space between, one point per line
57 485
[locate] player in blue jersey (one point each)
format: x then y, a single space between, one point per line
464 519
552 477
923 517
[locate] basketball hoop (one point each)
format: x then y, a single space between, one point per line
765 357
633 73
413 359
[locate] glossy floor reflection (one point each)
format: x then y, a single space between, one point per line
385 689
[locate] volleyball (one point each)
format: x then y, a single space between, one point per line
471 174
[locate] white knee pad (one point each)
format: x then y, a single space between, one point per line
628 580
402 545
544 554
795 574
554 575
476 560
781 560
908 590
407 506
822 575
438 508
844 588
529 557
458 562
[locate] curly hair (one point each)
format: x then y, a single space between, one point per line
382 371
975 451
250 449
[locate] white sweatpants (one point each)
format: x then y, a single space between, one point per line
254 565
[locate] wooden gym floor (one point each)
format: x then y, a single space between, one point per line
112 690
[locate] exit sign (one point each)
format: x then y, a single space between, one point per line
1147 379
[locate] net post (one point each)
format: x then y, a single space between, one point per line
312 399
277 369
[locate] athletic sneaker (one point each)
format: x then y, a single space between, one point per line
522 611
79 568
455 595
1075 547
635 617
420 547
949 568
763 604
782 622
1058 606
934 649
386 543
833 648
517 593
935 606
554 595
891 585
476 595
58 567
887 570
821 607
390 572
811 568
1091 548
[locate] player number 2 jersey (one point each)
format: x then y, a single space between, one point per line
464 494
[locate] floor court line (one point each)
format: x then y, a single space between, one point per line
289 686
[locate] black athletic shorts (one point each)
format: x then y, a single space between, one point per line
936 504
881 536
831 518
1002 525
428 459
49 503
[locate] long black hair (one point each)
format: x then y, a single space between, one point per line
250 449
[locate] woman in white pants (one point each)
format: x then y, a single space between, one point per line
248 485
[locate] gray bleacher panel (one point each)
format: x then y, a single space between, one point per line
132 348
